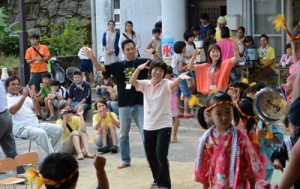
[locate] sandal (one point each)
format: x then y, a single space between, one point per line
80 156
89 155
188 116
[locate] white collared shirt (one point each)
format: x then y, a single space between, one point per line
157 106
3 101
25 115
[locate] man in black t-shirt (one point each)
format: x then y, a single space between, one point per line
130 101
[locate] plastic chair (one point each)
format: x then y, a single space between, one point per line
8 164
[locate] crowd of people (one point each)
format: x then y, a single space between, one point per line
238 150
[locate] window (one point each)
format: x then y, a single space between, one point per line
117 14
262 18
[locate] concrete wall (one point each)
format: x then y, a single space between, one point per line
143 14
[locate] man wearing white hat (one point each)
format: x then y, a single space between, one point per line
222 22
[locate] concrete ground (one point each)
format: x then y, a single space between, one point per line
138 175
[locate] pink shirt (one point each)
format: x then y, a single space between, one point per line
226 48
157 111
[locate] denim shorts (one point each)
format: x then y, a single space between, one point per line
183 87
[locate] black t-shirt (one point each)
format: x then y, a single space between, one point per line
122 71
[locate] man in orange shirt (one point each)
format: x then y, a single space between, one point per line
36 56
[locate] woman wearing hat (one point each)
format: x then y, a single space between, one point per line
222 22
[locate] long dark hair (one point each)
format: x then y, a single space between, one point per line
218 96
129 22
209 60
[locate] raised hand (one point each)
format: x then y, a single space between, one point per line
184 76
26 90
144 66
80 111
88 53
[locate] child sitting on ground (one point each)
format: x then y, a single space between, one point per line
58 95
104 83
104 122
40 97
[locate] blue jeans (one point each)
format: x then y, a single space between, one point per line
157 147
113 107
183 87
83 106
126 114
102 93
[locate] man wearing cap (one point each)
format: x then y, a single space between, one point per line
36 56
205 25
222 22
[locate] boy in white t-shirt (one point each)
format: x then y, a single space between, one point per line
57 96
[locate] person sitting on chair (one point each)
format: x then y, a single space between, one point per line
25 122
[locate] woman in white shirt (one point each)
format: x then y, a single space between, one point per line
130 34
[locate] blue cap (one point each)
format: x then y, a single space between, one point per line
295 112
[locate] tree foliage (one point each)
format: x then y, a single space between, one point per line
67 39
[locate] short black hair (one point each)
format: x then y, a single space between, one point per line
248 39
187 35
225 32
59 167
86 42
195 28
265 36
158 64
35 36
55 83
10 79
158 24
46 75
178 46
204 16
287 46
125 42
77 73
156 30
169 70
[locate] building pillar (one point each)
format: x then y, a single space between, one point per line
174 18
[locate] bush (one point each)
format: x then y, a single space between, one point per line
9 35
9 61
66 39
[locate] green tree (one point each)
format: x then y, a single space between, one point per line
67 39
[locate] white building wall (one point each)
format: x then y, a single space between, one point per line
144 14
103 13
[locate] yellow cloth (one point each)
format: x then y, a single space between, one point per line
105 120
218 34
270 55
74 124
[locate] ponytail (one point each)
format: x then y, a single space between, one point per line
201 117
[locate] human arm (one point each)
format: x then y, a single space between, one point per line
16 107
133 80
235 50
82 125
262 134
99 163
175 83
97 120
87 52
191 64
149 46
153 52
296 89
112 93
